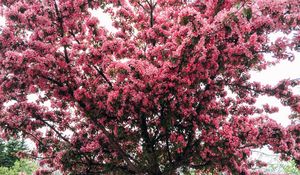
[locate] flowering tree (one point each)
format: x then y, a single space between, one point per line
169 90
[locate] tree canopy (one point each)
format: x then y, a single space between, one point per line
169 90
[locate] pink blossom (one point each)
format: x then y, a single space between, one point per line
169 87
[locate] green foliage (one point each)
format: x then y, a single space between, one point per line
8 151
282 167
10 164
20 166
291 168
204 172
247 13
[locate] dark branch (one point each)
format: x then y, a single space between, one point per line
53 128
118 148
61 30
100 72
200 166
66 54
73 34
167 135
154 166
183 158
59 19
52 80
142 6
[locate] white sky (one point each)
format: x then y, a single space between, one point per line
272 75
2 21
286 69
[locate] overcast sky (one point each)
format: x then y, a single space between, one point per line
272 75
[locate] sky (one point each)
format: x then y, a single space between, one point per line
272 75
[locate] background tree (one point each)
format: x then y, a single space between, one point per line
20 167
9 150
291 168
10 163
151 97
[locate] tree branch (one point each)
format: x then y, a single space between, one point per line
118 148
73 34
100 72
201 166
167 137
66 54
61 30
52 80
154 166
52 128
182 159
59 19
142 6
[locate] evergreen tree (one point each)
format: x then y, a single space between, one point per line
8 151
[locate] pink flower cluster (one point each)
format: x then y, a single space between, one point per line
170 88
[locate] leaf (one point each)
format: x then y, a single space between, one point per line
228 29
184 20
218 7
247 12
